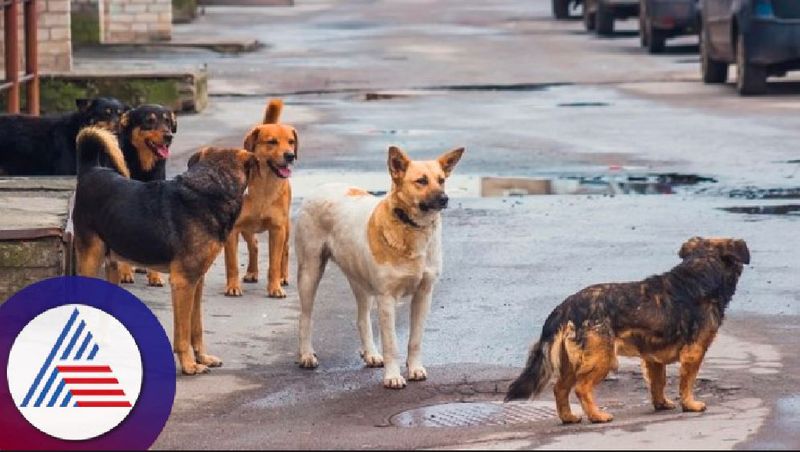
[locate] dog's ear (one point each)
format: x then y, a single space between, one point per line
253 167
196 157
83 104
125 120
737 251
689 246
398 163
173 122
251 139
448 160
296 144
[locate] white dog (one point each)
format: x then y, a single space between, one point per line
388 248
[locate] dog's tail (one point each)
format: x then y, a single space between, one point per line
92 142
544 358
273 112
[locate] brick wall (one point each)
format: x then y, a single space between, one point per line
126 21
55 38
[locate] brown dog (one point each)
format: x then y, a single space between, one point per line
176 226
266 205
667 318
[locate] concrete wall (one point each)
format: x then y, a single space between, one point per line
55 37
132 21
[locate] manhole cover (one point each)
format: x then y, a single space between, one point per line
473 414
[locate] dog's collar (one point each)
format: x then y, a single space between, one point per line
403 217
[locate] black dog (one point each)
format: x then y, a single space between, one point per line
177 225
145 136
45 146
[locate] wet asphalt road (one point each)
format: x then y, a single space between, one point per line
529 97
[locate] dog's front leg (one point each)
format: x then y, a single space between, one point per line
183 293
690 358
198 345
391 367
420 306
277 242
232 287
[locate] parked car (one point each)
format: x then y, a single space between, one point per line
762 37
599 15
561 8
660 20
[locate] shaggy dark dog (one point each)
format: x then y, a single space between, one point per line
667 318
45 146
176 226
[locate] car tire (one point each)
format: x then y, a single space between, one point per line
751 79
713 71
604 20
588 17
642 27
561 9
656 39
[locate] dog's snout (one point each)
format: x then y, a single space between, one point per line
443 200
168 138
289 157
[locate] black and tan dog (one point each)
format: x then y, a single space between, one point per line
145 135
266 205
176 226
45 146
667 318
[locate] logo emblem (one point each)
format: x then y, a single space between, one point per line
90 367
87 366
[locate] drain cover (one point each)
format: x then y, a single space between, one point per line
474 414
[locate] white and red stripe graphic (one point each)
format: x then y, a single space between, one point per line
93 386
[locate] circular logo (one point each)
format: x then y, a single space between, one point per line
74 356
88 366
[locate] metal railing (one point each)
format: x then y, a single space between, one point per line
30 78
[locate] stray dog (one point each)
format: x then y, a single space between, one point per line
388 248
45 146
667 318
176 226
266 205
145 136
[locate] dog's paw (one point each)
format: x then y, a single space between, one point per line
570 419
308 361
394 382
276 292
194 369
126 277
693 406
250 278
601 417
284 281
208 360
155 280
233 291
372 359
417 373
665 404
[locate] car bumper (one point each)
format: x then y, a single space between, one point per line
673 14
773 41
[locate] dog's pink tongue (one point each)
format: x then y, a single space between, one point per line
163 151
285 171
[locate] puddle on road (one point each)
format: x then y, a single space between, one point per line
788 209
306 183
766 193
